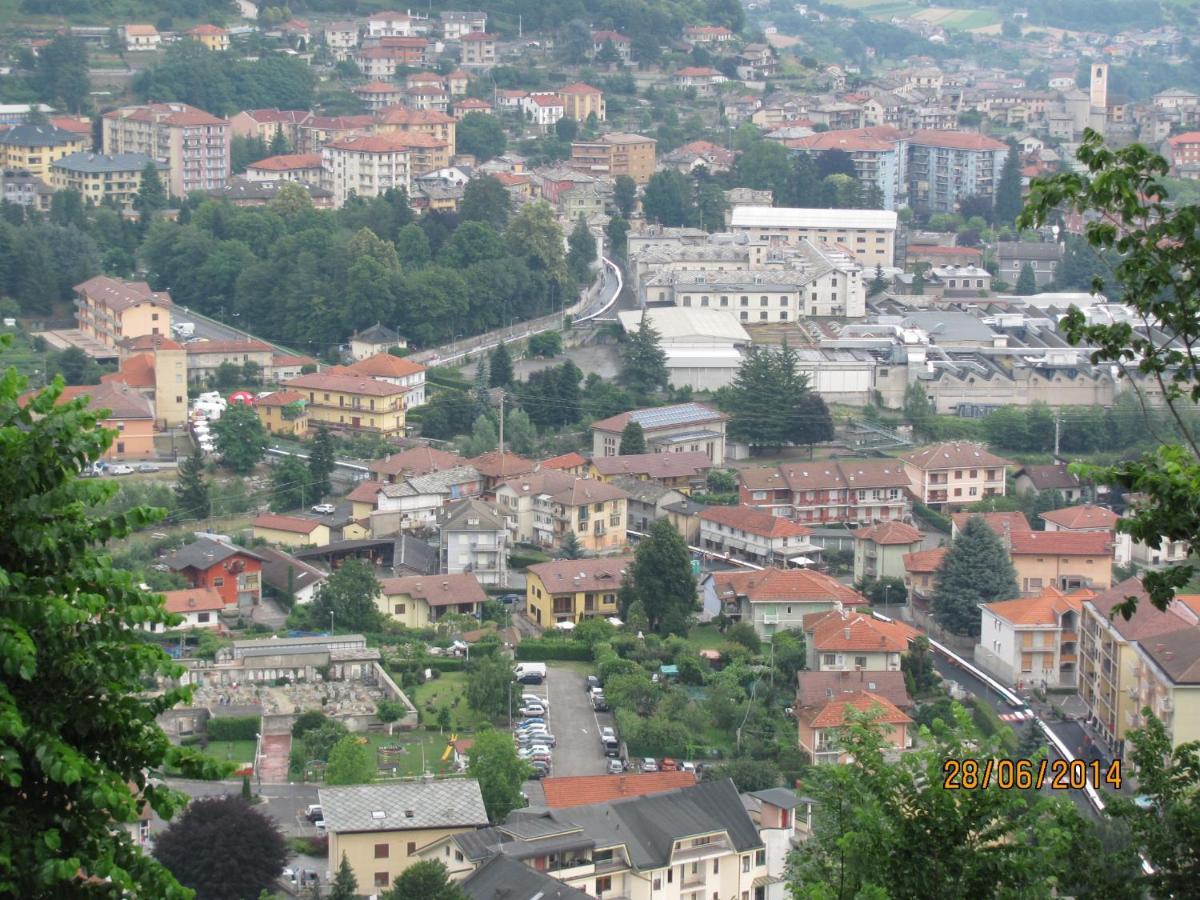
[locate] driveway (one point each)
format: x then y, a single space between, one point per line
573 722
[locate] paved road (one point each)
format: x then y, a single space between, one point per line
609 284
285 803
574 724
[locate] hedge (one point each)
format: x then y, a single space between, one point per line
234 728
932 517
443 664
542 649
988 721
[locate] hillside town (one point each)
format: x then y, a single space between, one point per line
634 451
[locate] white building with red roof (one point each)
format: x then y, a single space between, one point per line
396 370
542 109
847 640
955 473
778 599
820 726
194 143
301 167
199 607
757 536
378 94
366 165
1032 638
879 549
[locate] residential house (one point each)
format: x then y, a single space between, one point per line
474 538
707 34
378 94
416 461
778 599
621 44
468 105
353 403
1036 479
686 472
374 340
414 502
1044 258
595 512
242 192
920 572
702 79
756 62
290 531
815 688
268 122
879 550
130 415
395 370
691 156
366 166
1142 554
199 607
211 36
1062 559
34 148
233 572
416 601
581 101
364 498
1032 639
389 24
1081 519
138 37
828 491
283 412
571 590
1110 681
497 468
1003 524
478 49
955 473
962 281
846 640
102 180
457 24
304 168
668 429
111 311
821 726
289 578
429 122
567 791
380 61
647 501
194 144
1167 680
613 154
572 463
378 828
543 109
204 357
342 39
20 188
316 131
684 516
458 81
757 536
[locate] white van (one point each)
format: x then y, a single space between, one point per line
529 670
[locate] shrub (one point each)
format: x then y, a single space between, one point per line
988 722
234 728
932 517
542 649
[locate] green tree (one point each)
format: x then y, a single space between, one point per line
493 762
534 235
1026 282
75 366
570 548
191 489
917 410
520 435
643 361
500 367
347 597
223 847
581 253
290 488
917 665
485 200
617 232
1008 190
345 885
488 681
667 199
321 462
482 135
279 144
227 376
68 760
661 580
483 437
412 247
743 633
918 282
351 761
888 589
319 743
633 439
546 344
625 195
811 422
765 166
747 774
61 74
976 570
878 283
240 438
426 880
767 402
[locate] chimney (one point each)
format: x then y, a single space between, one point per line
846 632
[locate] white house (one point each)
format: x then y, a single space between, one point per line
287 576
198 606
542 109
754 534
395 370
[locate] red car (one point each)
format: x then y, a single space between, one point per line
669 765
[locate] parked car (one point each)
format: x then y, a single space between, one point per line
510 598
616 767
120 470
320 826
599 703
147 467
535 753
534 698
591 683
313 813
325 509
649 765
537 721
608 733
533 709
669 765
530 678
688 767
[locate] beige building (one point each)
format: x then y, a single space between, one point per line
955 474
380 828
478 49
1061 559
879 550
211 36
290 531
685 427
366 166
615 154
139 37
283 412
581 100
157 366
402 120
103 180
541 507
870 234
416 601
348 402
1032 639
842 640
112 311
1167 679
194 144
205 357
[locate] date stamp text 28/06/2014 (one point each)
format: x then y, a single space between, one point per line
1030 774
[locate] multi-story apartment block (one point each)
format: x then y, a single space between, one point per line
353 403
390 24
615 154
946 167
571 590
778 599
381 61
1032 639
581 100
869 234
825 491
1061 559
668 429
474 538
457 24
301 167
543 506
685 472
478 49
1185 154
757 536
112 311
366 165
342 39
1110 682
316 131
955 474
822 725
205 357
194 144
103 180
34 148
1167 680
430 122
879 550
880 158
397 370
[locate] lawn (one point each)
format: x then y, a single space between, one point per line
706 637
422 751
449 691
237 752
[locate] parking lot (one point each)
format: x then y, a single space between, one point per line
573 723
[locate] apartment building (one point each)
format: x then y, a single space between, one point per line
366 166
305 168
266 123
401 120
778 599
205 357
395 370
846 640
478 49
353 403
1185 154
473 538
102 180
35 148
1033 640
955 473
879 549
1167 679
389 24
757 536
879 153
1061 559
1110 683
378 94
139 37
869 234
316 131
579 101
457 23
571 590
543 506
684 427
418 601
829 492
156 366
112 311
380 62
615 154
378 828
946 167
342 39
685 472
415 502
194 144
283 412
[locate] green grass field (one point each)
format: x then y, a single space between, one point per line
448 691
706 637
954 19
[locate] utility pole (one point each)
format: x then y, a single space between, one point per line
1057 429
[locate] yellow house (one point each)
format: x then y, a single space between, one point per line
113 311
596 512
99 178
1168 681
283 412
1062 559
581 100
211 36
417 600
353 402
33 148
571 590
380 828
290 531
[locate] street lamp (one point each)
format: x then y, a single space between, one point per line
331 623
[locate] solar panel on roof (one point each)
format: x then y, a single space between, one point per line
665 416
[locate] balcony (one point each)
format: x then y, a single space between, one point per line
705 851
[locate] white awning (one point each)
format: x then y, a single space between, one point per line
615 622
564 626
800 561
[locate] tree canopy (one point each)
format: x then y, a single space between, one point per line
349 594
643 360
351 761
493 762
240 438
633 439
770 403
975 570
661 580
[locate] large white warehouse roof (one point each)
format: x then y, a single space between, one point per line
792 217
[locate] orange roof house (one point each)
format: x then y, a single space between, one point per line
920 571
1033 638
778 599
820 726
844 640
1081 518
581 790
1063 559
755 535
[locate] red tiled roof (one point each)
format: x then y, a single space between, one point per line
924 561
365 492
1044 609
416 461
402 115
655 465
203 599
566 461
579 88
135 371
773 585
889 533
377 87
385 365
816 688
1075 518
151 342
1147 621
580 790
954 454
955 140
754 521
479 36
371 143
246 346
696 71
833 713
563 576
347 384
842 630
288 161
122 401
294 524
931 250
490 464
436 590
615 36
1188 137
207 29
280 398
551 100
823 475
287 359
472 103
1062 543
850 140
1000 522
